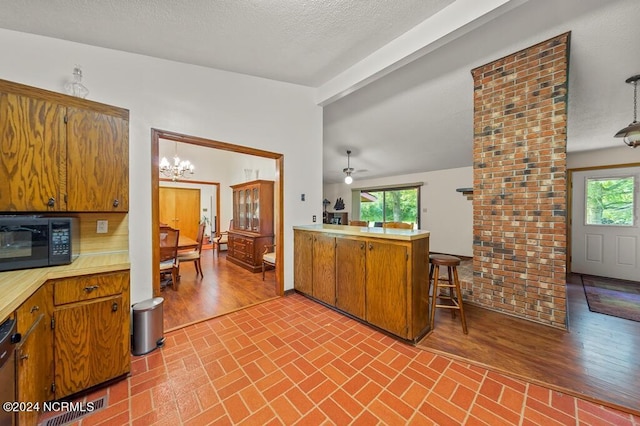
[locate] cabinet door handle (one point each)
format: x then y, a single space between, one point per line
34 309
370 246
116 203
51 202
90 288
361 245
114 307
23 357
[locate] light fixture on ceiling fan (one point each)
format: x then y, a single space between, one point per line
348 170
631 133
178 169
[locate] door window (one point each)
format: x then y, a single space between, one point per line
610 201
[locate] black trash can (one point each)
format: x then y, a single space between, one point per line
148 330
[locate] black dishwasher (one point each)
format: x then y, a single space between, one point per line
7 371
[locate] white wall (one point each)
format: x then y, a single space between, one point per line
187 99
215 165
447 214
619 153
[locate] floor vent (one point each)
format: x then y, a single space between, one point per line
74 412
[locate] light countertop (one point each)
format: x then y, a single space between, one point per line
367 232
18 286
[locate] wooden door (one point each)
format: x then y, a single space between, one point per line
302 261
324 268
97 161
350 276
34 354
386 286
180 209
32 146
89 344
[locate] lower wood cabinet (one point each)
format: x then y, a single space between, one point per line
91 332
324 268
75 335
382 281
350 276
34 353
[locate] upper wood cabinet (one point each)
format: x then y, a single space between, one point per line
61 153
97 161
31 141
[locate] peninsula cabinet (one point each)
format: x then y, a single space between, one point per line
350 276
380 276
314 265
91 332
34 353
61 153
252 226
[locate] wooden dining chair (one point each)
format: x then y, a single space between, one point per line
358 223
268 257
398 225
169 263
221 239
194 254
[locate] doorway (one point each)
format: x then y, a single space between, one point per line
605 216
156 135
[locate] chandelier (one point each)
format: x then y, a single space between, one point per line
176 170
631 133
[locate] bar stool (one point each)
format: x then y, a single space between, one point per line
451 262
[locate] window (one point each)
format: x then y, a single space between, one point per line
390 205
610 201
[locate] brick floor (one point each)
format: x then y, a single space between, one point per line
293 361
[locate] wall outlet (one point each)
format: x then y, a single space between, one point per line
102 227
314 217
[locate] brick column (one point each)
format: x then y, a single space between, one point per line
519 188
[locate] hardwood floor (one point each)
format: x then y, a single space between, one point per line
597 359
224 288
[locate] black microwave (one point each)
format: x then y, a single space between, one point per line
33 242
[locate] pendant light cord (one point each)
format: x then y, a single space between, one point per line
635 101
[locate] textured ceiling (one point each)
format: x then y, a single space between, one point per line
299 41
417 118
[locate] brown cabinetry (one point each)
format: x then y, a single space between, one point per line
314 267
350 276
61 153
34 354
382 281
324 268
91 333
252 226
97 161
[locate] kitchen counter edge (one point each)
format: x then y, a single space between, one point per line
18 286
367 232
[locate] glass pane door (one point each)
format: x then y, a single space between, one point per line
256 210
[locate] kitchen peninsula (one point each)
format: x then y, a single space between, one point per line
380 276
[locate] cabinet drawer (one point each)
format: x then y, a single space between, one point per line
76 289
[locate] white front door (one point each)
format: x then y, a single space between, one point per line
605 223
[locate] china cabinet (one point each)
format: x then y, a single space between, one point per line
252 226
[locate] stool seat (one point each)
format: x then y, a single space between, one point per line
444 260
452 283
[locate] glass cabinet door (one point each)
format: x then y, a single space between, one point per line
241 210
248 204
255 226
